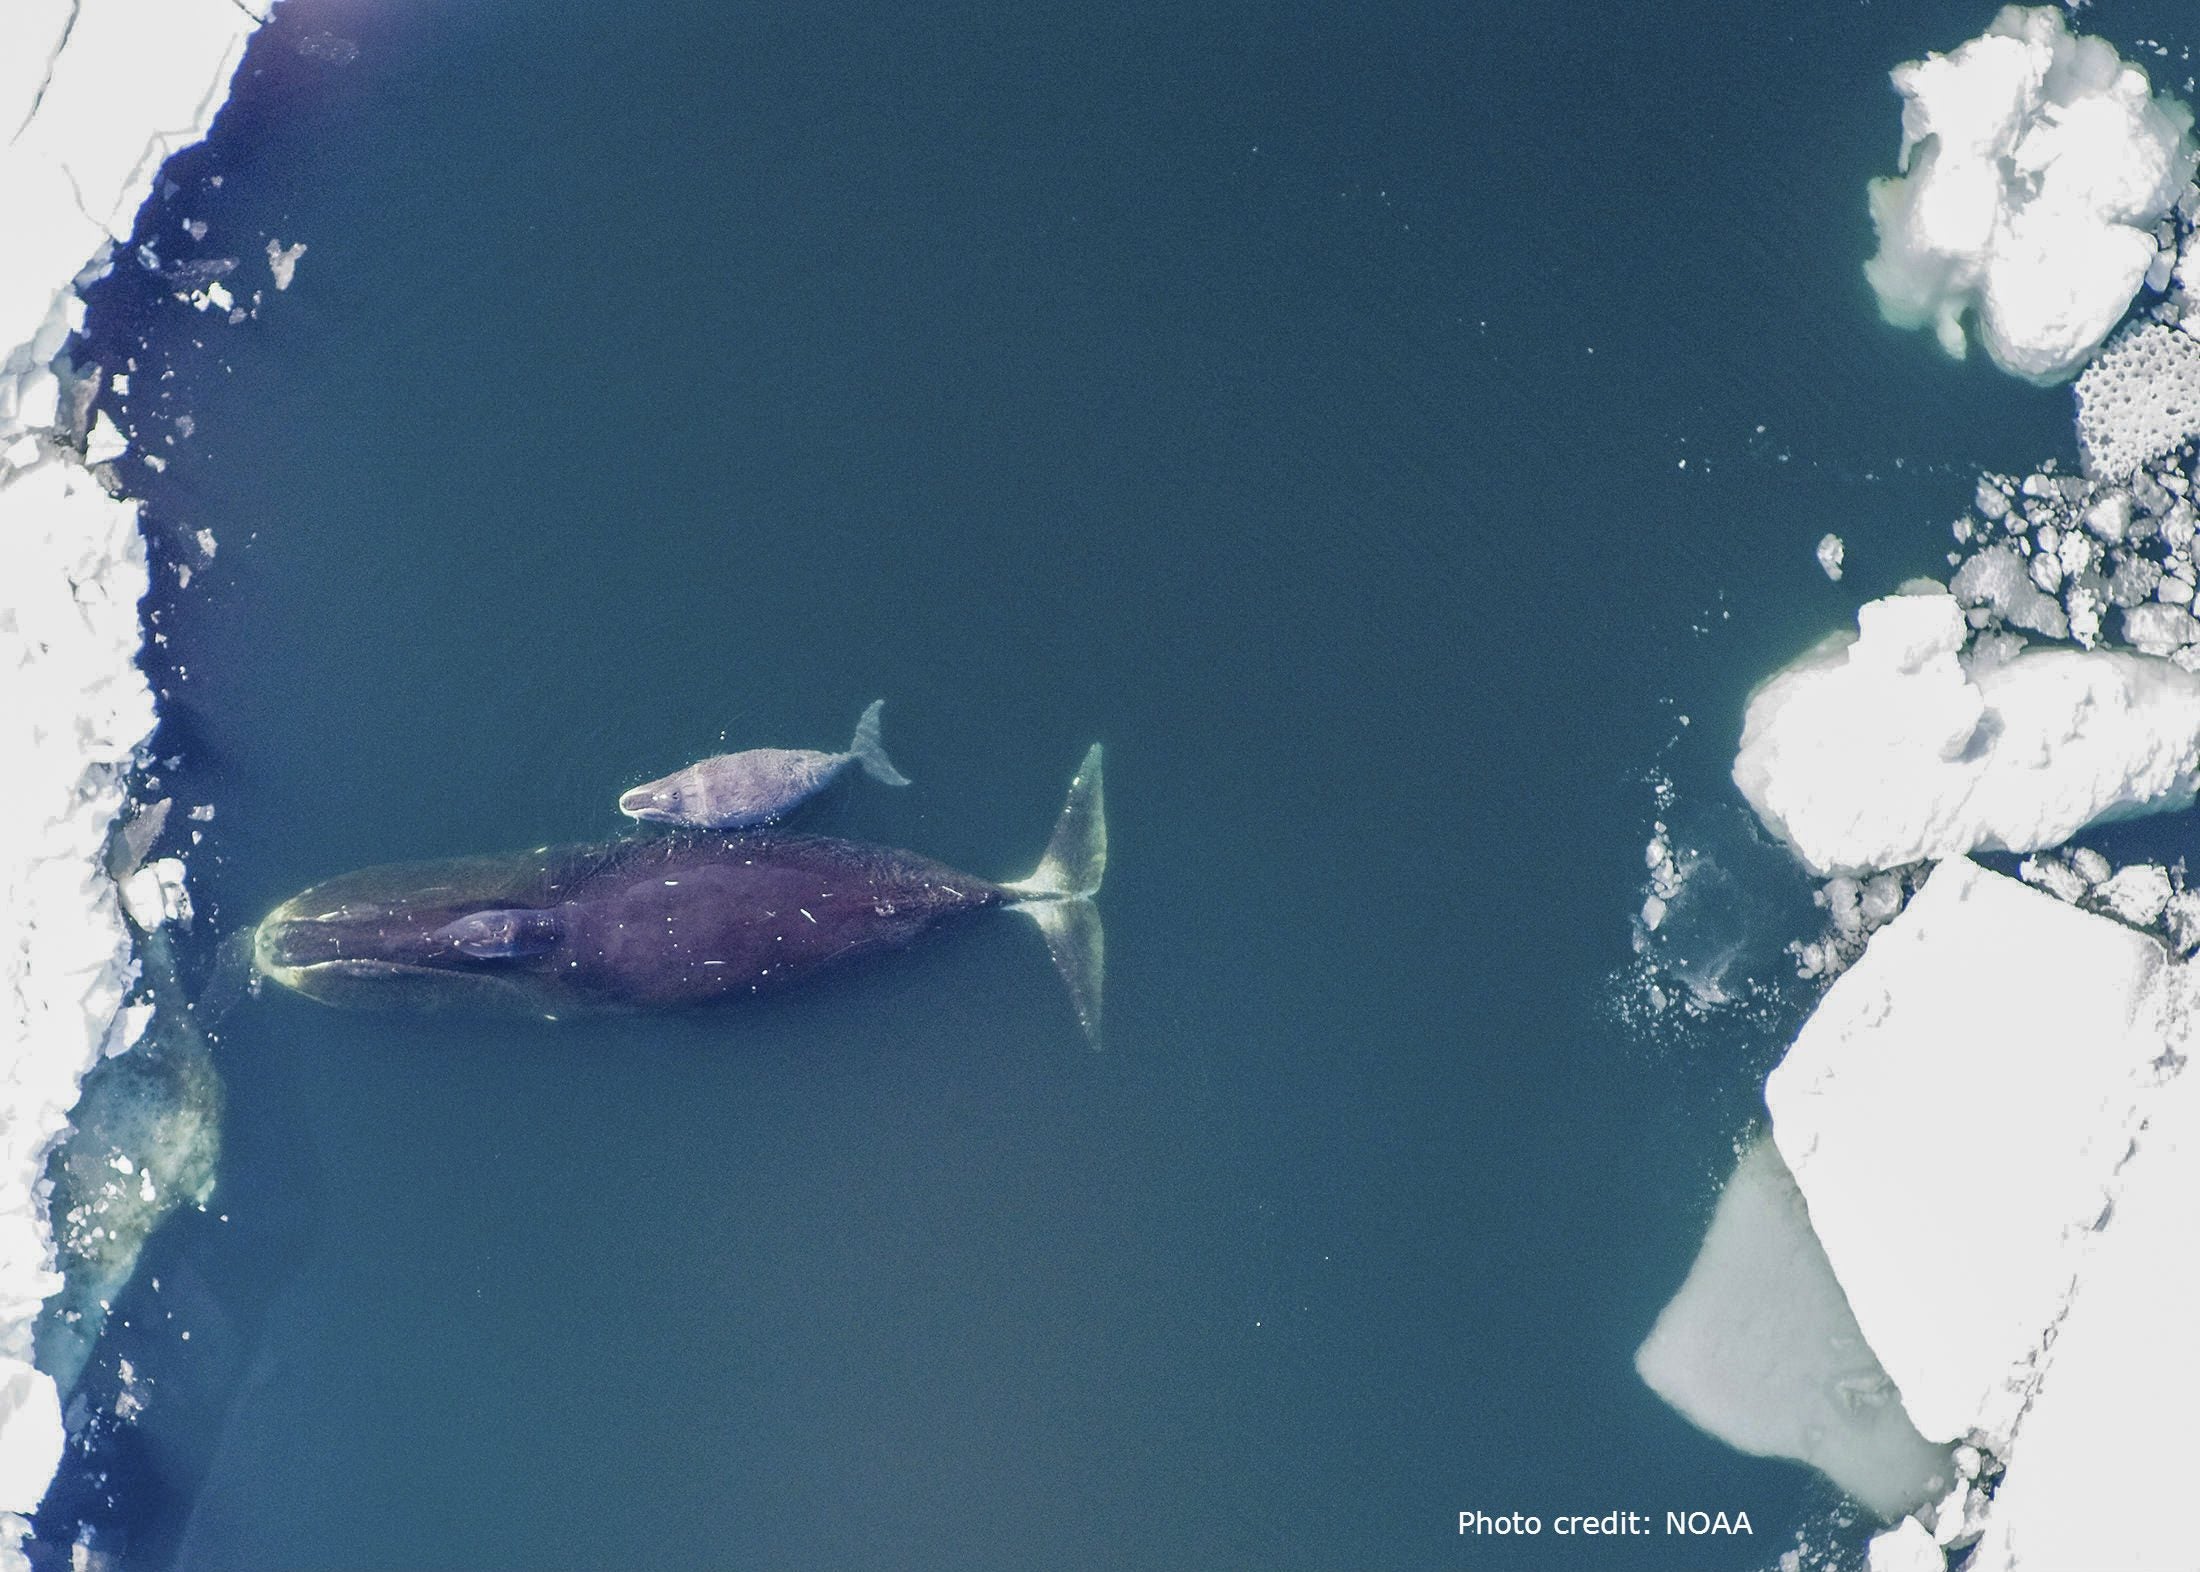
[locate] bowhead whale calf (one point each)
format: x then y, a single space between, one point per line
659 921
732 791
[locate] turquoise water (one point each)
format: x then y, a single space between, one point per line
1379 429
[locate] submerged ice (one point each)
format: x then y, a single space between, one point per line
1760 1349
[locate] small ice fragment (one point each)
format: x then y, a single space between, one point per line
2110 517
1996 579
155 894
1830 553
205 539
2160 269
128 1027
106 442
2047 570
282 261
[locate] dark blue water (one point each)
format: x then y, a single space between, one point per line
1378 425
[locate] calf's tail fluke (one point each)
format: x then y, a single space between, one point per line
870 752
1058 894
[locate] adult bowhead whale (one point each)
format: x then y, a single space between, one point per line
662 921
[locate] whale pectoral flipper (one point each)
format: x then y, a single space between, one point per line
1058 894
869 751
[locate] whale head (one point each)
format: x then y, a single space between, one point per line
666 801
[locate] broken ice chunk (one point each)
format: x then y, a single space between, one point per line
1830 553
282 261
1881 750
106 442
2110 517
2160 629
2138 894
2054 876
155 894
2090 865
1944 1063
1996 578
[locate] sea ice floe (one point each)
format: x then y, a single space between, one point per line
95 95
106 442
2138 400
2100 1475
1987 1058
2034 167
30 1434
1830 553
1759 1349
1883 749
282 261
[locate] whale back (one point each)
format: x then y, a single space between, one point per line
674 920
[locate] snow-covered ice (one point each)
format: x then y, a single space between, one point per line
2034 165
1908 1547
1954 1114
282 261
2101 1472
1882 749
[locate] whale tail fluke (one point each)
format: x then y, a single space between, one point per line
1058 894
870 752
